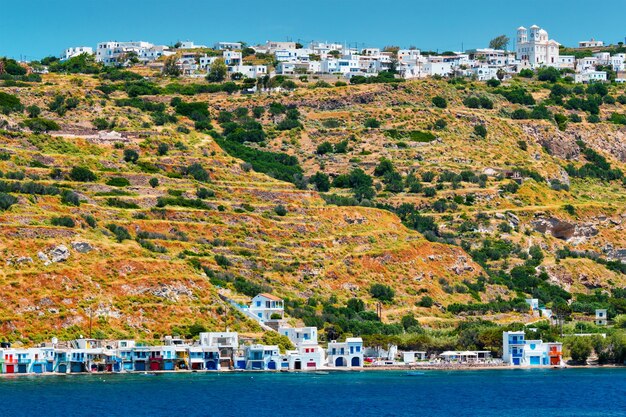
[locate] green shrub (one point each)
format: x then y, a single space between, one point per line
371 123
6 201
131 155
116 202
222 261
41 125
33 111
70 198
118 182
63 221
426 301
154 182
197 172
205 193
440 102
526 73
321 181
82 174
382 292
324 148
480 130
280 210
162 149
120 232
9 103
90 220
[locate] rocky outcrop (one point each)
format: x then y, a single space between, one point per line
556 143
59 254
82 247
564 230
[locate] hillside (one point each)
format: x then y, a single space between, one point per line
186 200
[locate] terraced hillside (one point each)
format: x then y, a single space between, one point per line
143 245
137 201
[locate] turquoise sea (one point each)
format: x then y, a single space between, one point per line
514 393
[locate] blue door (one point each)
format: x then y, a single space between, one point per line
271 365
515 361
140 366
38 368
356 361
535 360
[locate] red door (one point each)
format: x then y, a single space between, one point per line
154 366
10 369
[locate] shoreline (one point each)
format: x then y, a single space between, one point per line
323 371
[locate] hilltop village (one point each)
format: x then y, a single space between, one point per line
313 206
533 49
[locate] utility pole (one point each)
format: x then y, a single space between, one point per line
379 310
90 317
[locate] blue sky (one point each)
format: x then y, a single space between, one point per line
39 28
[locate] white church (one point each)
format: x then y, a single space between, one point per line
535 49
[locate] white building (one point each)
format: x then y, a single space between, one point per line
346 354
590 76
221 46
491 56
262 357
267 307
273 46
117 52
308 355
190 45
601 317
592 43
518 351
586 64
249 71
411 357
232 57
76 51
535 49
567 62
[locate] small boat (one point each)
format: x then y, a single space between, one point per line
321 373
414 373
149 374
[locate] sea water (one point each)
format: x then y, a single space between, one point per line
514 393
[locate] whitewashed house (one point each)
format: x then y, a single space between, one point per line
232 58
567 62
601 317
411 357
190 45
206 61
262 357
586 64
249 71
518 351
346 354
76 51
273 46
222 46
267 307
114 52
592 43
227 344
308 354
590 76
